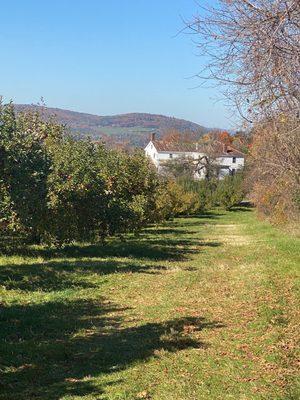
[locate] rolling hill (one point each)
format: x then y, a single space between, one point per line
133 129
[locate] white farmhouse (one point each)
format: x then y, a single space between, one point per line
227 159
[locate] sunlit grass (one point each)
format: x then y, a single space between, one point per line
198 308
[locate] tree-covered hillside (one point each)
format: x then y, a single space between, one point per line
133 128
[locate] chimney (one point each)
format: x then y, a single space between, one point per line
152 136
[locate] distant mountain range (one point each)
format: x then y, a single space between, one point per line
133 129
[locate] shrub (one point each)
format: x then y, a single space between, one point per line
230 191
76 199
179 168
131 186
172 200
204 189
23 173
274 174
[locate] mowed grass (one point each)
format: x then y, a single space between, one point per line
197 308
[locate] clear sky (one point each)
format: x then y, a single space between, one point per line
105 57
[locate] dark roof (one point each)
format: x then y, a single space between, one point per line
161 145
223 150
219 149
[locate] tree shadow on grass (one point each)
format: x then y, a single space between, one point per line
155 248
242 209
193 221
59 275
168 242
55 349
50 350
211 215
167 231
79 271
74 265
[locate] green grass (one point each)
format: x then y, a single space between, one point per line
198 308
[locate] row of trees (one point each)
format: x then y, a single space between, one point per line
56 189
205 194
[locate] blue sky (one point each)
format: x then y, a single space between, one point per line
105 57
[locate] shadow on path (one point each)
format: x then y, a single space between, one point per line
56 275
48 349
54 349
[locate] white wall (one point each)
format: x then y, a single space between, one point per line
163 155
228 161
158 157
151 152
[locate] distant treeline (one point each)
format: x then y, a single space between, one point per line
132 128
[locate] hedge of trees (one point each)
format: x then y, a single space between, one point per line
55 189
225 193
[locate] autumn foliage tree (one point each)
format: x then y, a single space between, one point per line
252 52
175 136
252 49
274 170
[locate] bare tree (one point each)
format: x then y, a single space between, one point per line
253 51
179 167
274 171
205 166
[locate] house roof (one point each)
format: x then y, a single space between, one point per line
164 146
218 148
223 150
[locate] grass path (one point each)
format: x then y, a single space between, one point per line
200 308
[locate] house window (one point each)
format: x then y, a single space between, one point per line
233 160
170 155
232 172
